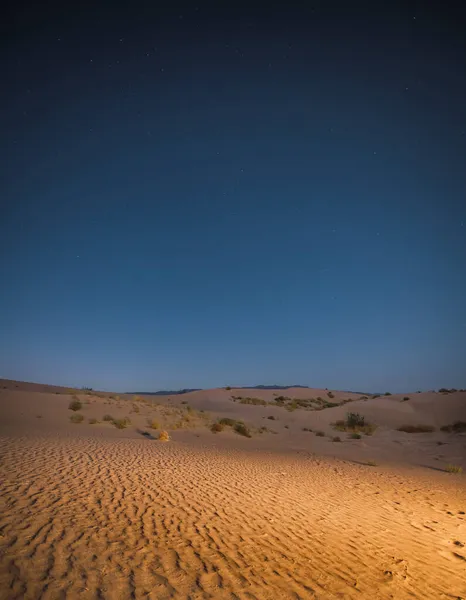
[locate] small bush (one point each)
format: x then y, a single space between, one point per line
254 401
387 394
330 395
228 387
241 429
306 429
107 418
272 418
163 436
184 402
77 418
75 405
405 399
154 424
92 421
228 422
217 427
371 463
453 469
416 428
336 439
355 420
286 426
355 436
121 423
457 427
320 434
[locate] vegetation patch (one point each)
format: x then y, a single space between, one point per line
77 418
92 421
355 436
453 469
355 423
163 436
320 434
153 424
228 422
337 438
107 418
217 428
75 405
121 423
457 427
241 429
416 428
253 401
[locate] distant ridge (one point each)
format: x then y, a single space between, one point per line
166 392
235 387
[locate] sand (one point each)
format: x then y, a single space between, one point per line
90 511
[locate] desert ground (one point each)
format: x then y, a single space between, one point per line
287 497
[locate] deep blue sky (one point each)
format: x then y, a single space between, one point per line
201 197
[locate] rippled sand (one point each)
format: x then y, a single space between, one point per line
85 517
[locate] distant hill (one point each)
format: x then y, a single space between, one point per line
165 392
268 387
244 387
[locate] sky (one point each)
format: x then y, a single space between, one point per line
208 195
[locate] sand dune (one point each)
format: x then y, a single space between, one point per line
90 511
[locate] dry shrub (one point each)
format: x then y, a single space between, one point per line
416 428
163 436
216 428
75 405
77 418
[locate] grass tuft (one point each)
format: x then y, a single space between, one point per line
163 436
217 427
107 418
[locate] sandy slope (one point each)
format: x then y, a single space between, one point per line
89 511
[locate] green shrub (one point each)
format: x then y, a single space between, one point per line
92 421
355 436
77 418
153 424
416 428
387 394
228 387
75 405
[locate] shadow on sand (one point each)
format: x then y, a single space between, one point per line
146 434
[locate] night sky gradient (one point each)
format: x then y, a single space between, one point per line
202 196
